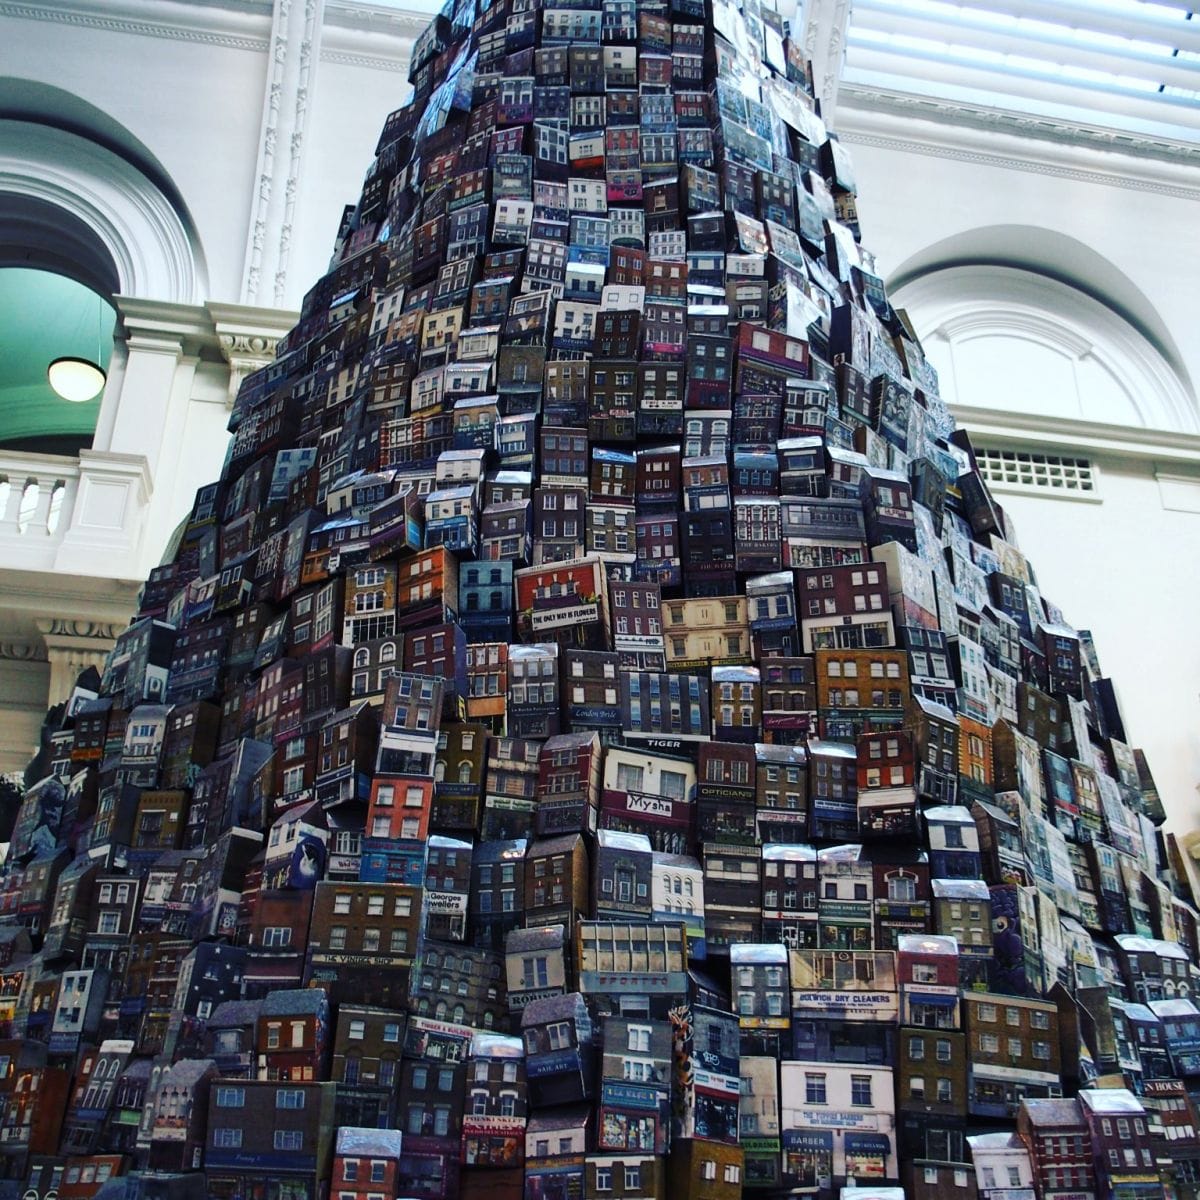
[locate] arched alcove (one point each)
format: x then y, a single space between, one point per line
1015 340
1050 255
71 204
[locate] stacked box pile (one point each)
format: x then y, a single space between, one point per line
599 736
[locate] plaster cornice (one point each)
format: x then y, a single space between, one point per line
367 62
371 39
72 627
1017 141
248 338
222 331
991 426
376 19
240 318
162 317
199 23
29 650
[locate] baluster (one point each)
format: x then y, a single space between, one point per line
11 521
39 520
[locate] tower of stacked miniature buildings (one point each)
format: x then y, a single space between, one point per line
598 736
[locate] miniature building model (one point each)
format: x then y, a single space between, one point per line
632 756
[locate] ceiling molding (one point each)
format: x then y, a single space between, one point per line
884 119
370 38
105 631
27 597
377 19
200 23
368 62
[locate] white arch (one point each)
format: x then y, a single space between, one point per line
155 256
957 306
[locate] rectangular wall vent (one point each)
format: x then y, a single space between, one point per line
1028 471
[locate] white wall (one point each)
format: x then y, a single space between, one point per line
351 105
1121 224
1121 227
1128 570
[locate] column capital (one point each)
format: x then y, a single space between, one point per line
78 629
72 645
247 337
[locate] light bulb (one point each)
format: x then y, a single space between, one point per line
75 379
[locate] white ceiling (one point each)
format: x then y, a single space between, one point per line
1121 64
